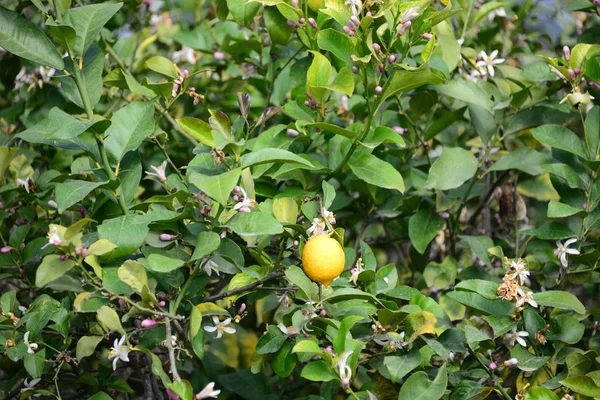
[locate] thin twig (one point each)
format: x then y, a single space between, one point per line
272 275
487 197
172 360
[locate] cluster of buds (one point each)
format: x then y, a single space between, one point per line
322 224
512 287
218 156
196 96
243 202
81 251
405 21
353 25
38 78
181 76
313 104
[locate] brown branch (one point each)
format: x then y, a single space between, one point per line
272 275
487 197
172 360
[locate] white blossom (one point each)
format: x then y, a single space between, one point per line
499 12
288 330
355 272
159 172
31 347
525 297
208 391
562 249
318 227
220 327
520 271
24 183
344 371
186 54
515 336
210 266
489 61
119 351
355 6
246 204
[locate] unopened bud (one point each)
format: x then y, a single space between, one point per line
355 20
381 68
391 58
425 144
165 237
427 36
237 189
223 234
404 27
186 73
148 323
376 47
219 55
571 73
122 303
355 69
378 90
52 204
492 366
323 313
5 249
312 22
567 52
577 71
302 20
63 257
242 309
348 30
292 133
291 23
511 363
368 14
162 303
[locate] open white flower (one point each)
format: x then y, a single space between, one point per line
355 6
356 271
525 297
499 12
119 351
489 61
520 271
246 204
24 183
220 327
31 347
186 54
159 172
318 227
562 249
344 371
288 330
208 391
30 385
515 336
328 216
210 266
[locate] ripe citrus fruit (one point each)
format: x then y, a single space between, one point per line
323 259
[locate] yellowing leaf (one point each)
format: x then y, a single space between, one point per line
421 322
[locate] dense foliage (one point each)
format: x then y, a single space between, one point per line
164 163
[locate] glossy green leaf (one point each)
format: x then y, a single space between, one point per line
196 332
71 192
254 223
218 187
130 126
109 319
52 268
317 77
454 167
88 20
198 129
377 172
318 371
206 243
162 65
93 66
419 387
523 159
271 155
559 299
559 137
423 226
405 81
480 303
583 385
400 366
242 11
86 346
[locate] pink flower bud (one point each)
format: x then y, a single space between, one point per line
237 189
291 23
368 14
492 366
122 303
348 30
577 71
52 204
219 55
312 22
376 47
223 234
378 90
236 198
355 20
162 303
329 350
2 205
404 27
323 313
381 68
596 3
295 3
5 249
165 237
148 323
571 73
427 36
302 20
186 73
80 172
511 363
391 58
425 144
242 309
355 69
567 52
63 257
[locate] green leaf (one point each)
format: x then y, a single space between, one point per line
133 274
130 126
125 232
163 264
338 130
561 210
551 231
479 245
583 385
487 289
271 341
183 389
559 137
581 52
71 192
454 167
88 21
34 363
592 132
405 81
423 226
419 387
443 122
162 65
343 333
566 172
307 346
337 42
524 159
86 346
285 210
64 35
382 134
540 393
526 361
480 303
242 11
271 155
198 129
559 299
343 82
565 329
52 268
483 122
57 126
206 243
577 364
376 172
218 187
254 223
399 367
299 278
21 37
8 301
157 368
276 24
109 319
284 361
93 65
196 332
328 194
442 275
318 371
317 77
467 92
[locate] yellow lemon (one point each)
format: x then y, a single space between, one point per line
323 259
315 4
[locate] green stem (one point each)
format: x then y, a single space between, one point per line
183 290
79 81
492 376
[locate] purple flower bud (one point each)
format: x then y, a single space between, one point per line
391 58
368 14
312 22
567 52
381 68
348 31
378 90
84 251
295 3
5 249
306 336
242 309
355 20
577 71
121 302
596 3
571 73
162 303
291 23
427 36
323 313
172 395
219 55
80 172
63 257
186 73
404 27
492 366
376 47
165 237
355 69
425 144
329 350
235 198
307 103
148 323
302 20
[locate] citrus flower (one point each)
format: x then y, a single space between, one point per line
24 183
30 385
518 270
525 297
246 204
323 259
186 54
515 336
499 12
288 330
31 347
344 371
220 327
562 249
489 61
318 227
355 5
208 391
511 363
575 98
159 172
210 266
119 351
356 271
